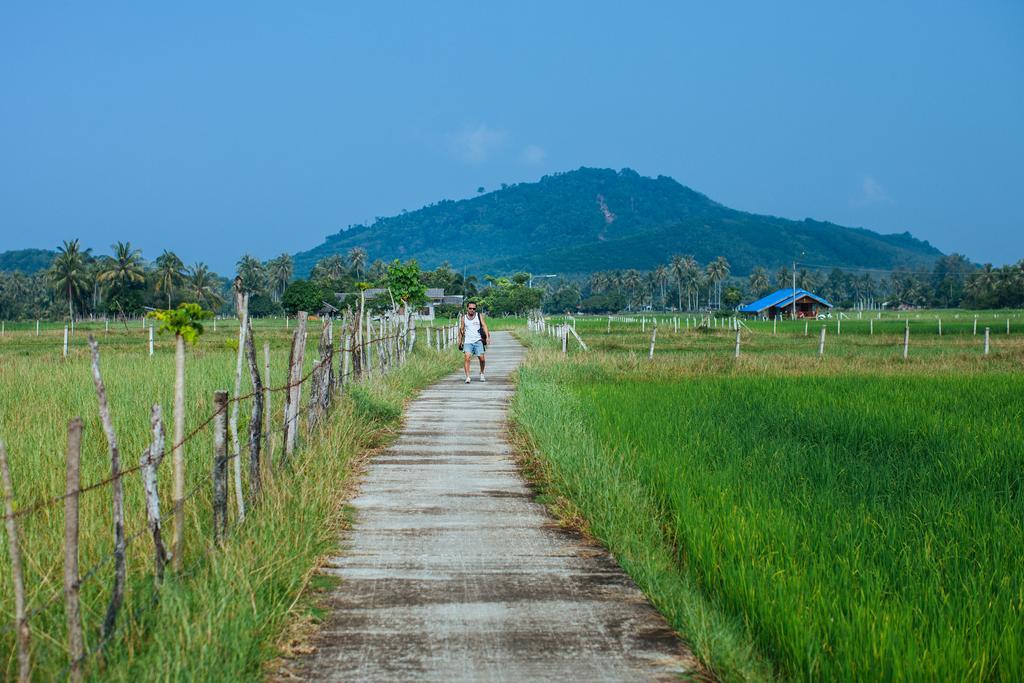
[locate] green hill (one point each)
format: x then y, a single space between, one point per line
599 219
25 260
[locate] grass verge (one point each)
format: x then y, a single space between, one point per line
221 622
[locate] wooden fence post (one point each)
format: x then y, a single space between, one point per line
65 341
871 327
17 577
737 343
178 453
940 327
220 467
906 340
266 407
297 359
150 340
255 418
975 326
242 306
821 343
565 338
986 341
72 605
117 593
654 336
149 463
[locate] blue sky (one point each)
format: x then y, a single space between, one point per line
218 128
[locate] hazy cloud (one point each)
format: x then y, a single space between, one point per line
872 193
533 155
476 144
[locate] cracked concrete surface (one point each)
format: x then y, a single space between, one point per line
452 572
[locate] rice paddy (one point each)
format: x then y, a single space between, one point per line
855 516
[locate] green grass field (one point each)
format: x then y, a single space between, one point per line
855 517
219 622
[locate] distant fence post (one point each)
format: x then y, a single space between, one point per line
737 343
565 338
821 343
654 336
220 467
150 340
906 340
72 605
975 333
940 327
17 578
986 341
65 341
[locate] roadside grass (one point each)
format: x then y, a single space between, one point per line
850 518
264 561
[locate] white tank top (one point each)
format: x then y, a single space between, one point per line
472 326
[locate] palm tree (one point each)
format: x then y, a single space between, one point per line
717 271
677 266
169 273
357 257
631 280
759 284
691 278
252 273
598 282
204 286
280 271
126 268
661 277
68 273
331 267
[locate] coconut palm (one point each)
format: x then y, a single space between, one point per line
170 272
280 271
677 266
253 274
202 285
631 280
692 282
357 257
125 269
661 277
69 273
331 267
759 284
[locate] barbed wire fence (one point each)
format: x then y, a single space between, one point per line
370 346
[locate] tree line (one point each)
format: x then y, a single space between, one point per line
685 284
79 284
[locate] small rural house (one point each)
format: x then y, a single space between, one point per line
779 304
435 297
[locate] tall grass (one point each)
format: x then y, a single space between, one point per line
847 524
264 559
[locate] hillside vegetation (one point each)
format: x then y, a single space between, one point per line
596 219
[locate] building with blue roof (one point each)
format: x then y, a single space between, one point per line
779 304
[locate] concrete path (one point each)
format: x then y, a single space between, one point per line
452 572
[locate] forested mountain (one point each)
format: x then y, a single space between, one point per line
598 219
25 261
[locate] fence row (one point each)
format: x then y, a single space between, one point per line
368 347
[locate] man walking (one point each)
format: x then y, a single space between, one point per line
473 336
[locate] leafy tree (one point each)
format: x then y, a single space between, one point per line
302 295
403 279
183 321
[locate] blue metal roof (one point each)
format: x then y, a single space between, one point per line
781 299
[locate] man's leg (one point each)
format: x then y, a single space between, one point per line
481 357
466 359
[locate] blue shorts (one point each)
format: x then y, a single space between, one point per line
474 349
